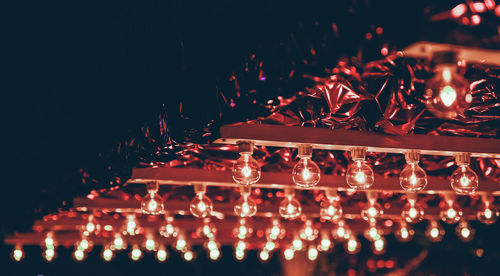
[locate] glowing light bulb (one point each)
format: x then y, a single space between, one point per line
245 206
452 213
275 232
373 233
168 230
152 204
330 207
242 230
308 232
312 253
107 254
325 244
161 254
297 244
240 245
487 212
464 232
379 246
150 244
447 94
49 254
290 207
269 246
180 244
246 170
264 255
288 254
404 233
464 180
341 231
359 175
434 231
131 227
91 227
118 242
17 253
214 254
305 173
352 245
373 209
201 206
188 256
412 212
239 250
135 253
78 255
49 241
412 178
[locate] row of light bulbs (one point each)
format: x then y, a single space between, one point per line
359 175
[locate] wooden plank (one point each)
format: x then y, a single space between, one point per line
339 139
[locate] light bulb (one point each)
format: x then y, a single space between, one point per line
290 207
373 209
188 256
131 227
341 230
49 241
404 233
242 230
359 175
373 232
84 244
118 242
330 207
452 213
150 244
264 255
212 245
214 254
168 229
107 254
379 246
447 94
245 206
152 204
412 178
136 253
161 254
275 232
49 254
269 246
434 231
325 244
207 230
239 254
464 180
464 232
297 244
305 173
201 206
352 245
240 246
17 253
78 255
412 212
312 253
91 227
180 244
308 232
288 254
487 212
246 170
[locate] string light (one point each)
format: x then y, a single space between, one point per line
325 243
264 255
297 244
412 178
168 230
207 230
242 230
464 232
245 206
17 253
305 173
240 250
150 244
434 231
359 175
180 244
269 246
379 246
464 180
49 254
79 255
289 253
372 210
136 253
131 227
352 245
404 233
152 203
118 242
275 232
188 256
201 206
214 254
312 253
330 206
308 232
107 254
290 207
341 230
451 213
487 212
91 227
412 212
162 253
373 232
49 241
246 170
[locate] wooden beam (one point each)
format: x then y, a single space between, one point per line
339 139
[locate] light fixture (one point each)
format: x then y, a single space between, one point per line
451 213
150 244
201 206
152 203
412 212
412 178
487 213
275 232
352 245
245 206
325 243
379 246
404 232
434 231
168 229
118 242
246 170
372 210
91 227
84 244
264 255
214 255
49 254
359 174
162 253
312 253
136 253
78 255
107 254
308 232
341 230
240 250
447 94
305 173
242 229
290 207
212 245
297 244
188 256
373 233
180 243
17 253
330 206
464 180
49 241
464 232
289 253
270 246
208 230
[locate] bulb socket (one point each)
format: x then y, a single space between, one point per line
200 188
449 198
412 197
289 191
245 190
412 156
152 187
245 147
358 153
462 159
371 196
305 150
331 193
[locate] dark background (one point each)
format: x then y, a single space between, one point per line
81 75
